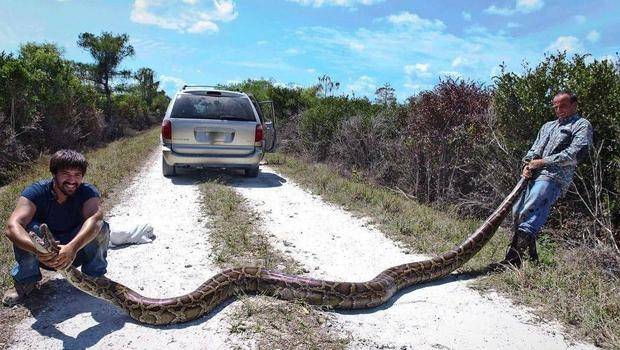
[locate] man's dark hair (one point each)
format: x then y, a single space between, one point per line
68 159
571 95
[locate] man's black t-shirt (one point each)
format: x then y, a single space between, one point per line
64 220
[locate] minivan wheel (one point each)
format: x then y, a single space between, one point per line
167 170
251 172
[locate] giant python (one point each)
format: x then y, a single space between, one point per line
252 280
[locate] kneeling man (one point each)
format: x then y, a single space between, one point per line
72 211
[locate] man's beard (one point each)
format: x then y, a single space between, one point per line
62 189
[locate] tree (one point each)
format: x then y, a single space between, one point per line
146 85
108 50
13 81
385 95
327 86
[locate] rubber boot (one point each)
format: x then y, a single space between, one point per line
531 247
515 252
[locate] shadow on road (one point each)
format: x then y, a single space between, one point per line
448 279
233 177
57 302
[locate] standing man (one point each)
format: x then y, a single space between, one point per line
72 211
549 165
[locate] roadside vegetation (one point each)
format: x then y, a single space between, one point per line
237 239
48 102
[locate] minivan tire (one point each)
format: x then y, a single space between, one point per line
251 172
167 169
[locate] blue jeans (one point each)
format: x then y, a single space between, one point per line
92 257
531 211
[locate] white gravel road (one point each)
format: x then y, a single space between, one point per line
333 244
330 242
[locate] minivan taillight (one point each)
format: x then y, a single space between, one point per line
258 135
166 129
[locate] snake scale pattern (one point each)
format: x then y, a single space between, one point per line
252 280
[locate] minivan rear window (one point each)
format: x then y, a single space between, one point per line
204 106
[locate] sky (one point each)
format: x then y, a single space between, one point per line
363 44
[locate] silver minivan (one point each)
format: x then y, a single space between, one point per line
209 128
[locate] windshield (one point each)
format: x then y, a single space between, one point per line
202 106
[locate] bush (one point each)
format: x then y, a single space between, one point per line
319 123
444 127
48 103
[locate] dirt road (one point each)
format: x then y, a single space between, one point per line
330 242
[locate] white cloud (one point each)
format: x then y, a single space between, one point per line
311 70
521 6
342 3
580 19
415 86
452 74
170 81
356 46
461 61
569 44
466 15
500 11
292 51
412 20
419 54
185 16
527 6
593 36
363 86
420 69
262 42
513 25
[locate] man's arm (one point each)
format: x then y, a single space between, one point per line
93 213
15 228
538 145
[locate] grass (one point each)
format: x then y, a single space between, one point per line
234 231
285 325
578 286
571 286
109 167
237 239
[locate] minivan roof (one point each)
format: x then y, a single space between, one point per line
211 90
